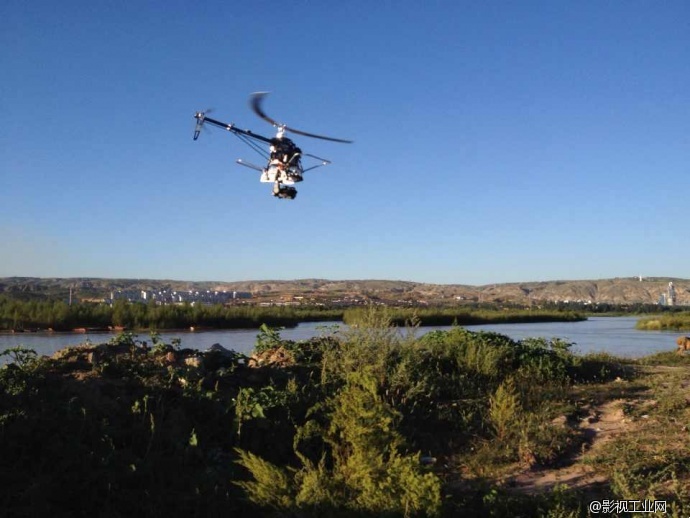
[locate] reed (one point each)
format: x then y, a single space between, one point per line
462 317
675 322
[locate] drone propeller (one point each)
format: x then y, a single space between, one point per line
255 103
200 118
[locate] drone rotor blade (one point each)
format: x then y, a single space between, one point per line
199 124
255 103
312 135
200 118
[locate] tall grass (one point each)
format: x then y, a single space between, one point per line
19 315
460 316
676 321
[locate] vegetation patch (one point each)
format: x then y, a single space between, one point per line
366 422
673 321
33 315
440 316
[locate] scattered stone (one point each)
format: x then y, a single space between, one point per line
217 348
560 421
193 361
278 357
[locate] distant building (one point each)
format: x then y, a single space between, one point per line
177 297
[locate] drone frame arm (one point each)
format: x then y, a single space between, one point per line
314 167
249 165
202 119
323 162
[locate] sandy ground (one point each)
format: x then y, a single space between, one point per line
603 423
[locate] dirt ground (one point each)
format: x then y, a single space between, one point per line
602 421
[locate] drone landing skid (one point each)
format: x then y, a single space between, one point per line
250 165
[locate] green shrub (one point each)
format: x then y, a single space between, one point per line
504 410
366 472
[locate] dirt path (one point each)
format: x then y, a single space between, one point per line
602 423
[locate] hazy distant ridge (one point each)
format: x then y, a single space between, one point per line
615 291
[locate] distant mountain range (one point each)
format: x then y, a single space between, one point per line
624 290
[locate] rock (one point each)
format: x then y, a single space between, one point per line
278 357
193 361
217 348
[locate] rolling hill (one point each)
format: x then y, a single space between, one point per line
624 290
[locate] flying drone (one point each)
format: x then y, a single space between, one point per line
284 159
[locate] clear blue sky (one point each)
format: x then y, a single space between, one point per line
494 141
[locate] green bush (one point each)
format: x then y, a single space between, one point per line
367 472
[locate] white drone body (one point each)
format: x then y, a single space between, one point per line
284 159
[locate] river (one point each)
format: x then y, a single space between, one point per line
615 335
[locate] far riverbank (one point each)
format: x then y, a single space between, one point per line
614 335
37 316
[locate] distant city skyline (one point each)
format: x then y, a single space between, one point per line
493 143
220 282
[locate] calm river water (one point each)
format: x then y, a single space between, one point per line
615 335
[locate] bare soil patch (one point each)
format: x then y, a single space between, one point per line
602 421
